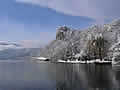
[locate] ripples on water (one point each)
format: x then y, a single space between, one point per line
26 75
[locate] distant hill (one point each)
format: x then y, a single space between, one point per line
19 53
10 50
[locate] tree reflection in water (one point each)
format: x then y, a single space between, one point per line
85 77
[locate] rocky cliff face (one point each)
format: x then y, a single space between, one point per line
72 42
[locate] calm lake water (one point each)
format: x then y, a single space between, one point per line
27 75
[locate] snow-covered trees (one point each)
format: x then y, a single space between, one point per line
96 47
70 43
99 45
115 50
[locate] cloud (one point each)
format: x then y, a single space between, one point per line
27 35
99 10
31 43
43 39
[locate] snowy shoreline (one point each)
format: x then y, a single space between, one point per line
43 59
86 62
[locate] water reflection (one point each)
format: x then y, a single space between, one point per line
58 76
84 77
23 76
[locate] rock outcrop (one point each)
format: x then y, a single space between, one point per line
71 42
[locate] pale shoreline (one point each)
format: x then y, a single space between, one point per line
87 62
43 59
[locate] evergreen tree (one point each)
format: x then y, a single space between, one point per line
96 48
100 48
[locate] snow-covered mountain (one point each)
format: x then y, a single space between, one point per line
9 45
77 41
13 50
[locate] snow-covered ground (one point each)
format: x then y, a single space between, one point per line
91 61
74 61
40 58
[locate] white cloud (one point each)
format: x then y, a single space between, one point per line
43 39
31 43
26 35
96 9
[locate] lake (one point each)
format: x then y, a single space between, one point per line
28 75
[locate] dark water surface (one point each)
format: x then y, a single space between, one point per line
27 75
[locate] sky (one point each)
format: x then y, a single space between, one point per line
34 22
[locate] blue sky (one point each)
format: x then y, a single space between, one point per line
35 21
